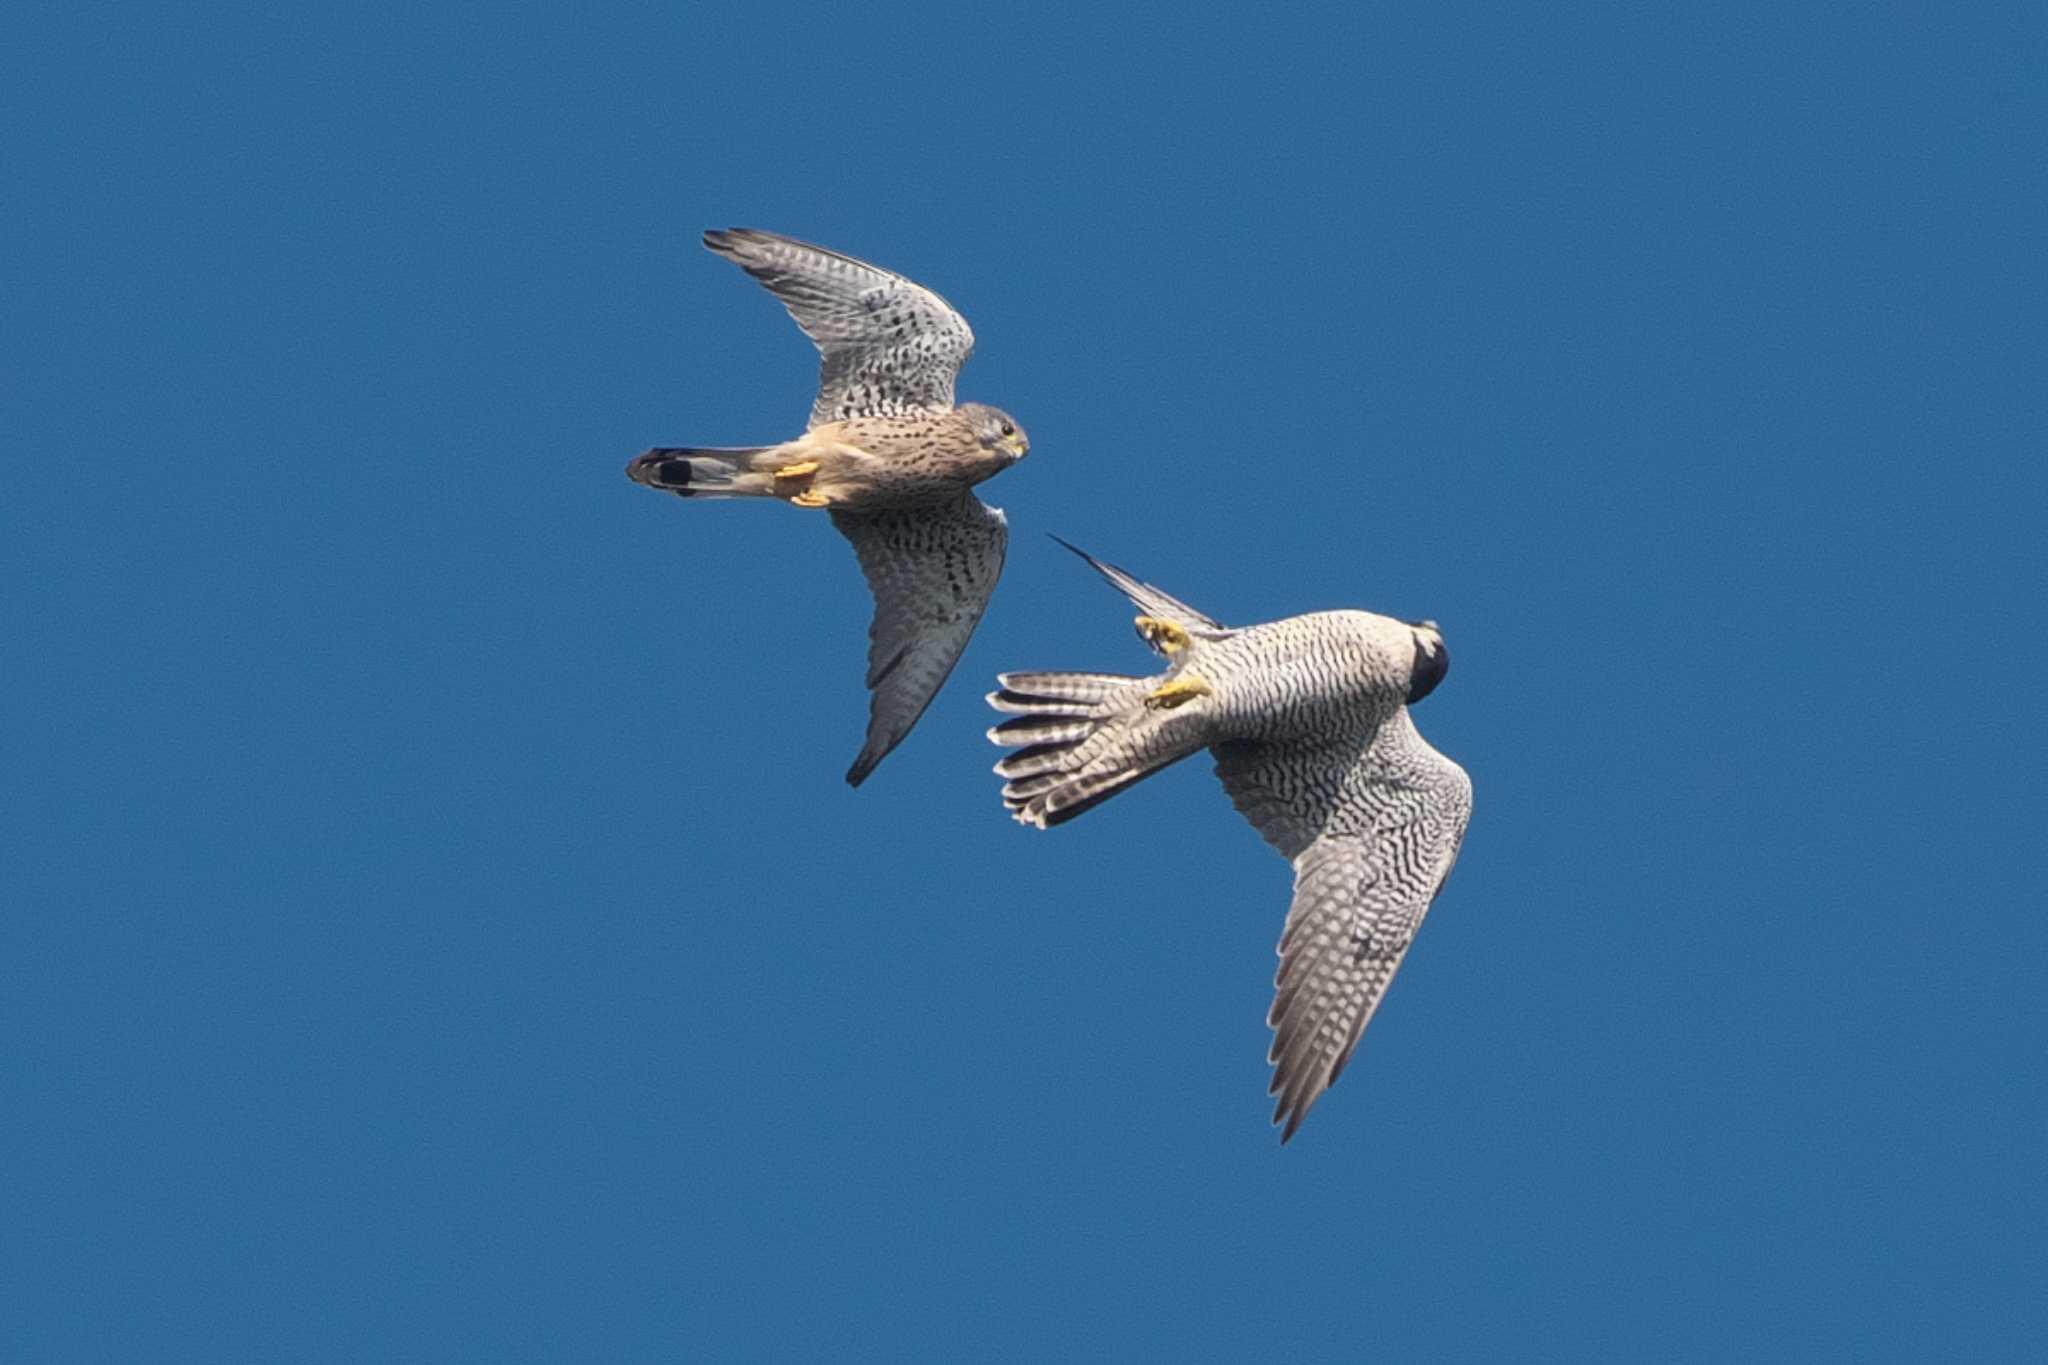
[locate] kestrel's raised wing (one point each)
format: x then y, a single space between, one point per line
1372 833
889 345
931 570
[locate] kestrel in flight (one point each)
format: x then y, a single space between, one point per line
887 453
1308 721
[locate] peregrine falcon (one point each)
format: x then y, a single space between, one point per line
1307 718
886 453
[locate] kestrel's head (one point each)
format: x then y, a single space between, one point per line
1432 660
996 430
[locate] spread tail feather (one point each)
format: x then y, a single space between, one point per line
1080 738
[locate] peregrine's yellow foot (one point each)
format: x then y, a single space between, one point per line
801 470
1179 692
1165 636
810 498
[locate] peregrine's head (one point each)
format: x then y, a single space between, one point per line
1432 660
997 430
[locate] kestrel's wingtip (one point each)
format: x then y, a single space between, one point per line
1287 1117
728 241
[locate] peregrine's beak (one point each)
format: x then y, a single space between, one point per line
1017 446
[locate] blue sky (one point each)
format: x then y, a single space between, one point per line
435 925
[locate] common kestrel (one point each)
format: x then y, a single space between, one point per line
886 453
1308 721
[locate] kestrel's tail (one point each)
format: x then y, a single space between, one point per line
704 471
1085 737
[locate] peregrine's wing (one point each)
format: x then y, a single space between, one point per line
1372 835
931 570
889 346
1150 600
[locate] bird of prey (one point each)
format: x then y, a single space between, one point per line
886 453
1308 721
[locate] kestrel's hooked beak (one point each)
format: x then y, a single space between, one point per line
1017 446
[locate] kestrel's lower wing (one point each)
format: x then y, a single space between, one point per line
931 570
889 345
1373 831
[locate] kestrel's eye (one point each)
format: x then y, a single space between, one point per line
1009 430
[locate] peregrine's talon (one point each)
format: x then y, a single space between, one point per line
1168 637
802 470
1179 692
810 498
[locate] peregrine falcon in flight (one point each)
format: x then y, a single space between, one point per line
1308 721
887 454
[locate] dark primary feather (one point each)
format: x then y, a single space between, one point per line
1153 601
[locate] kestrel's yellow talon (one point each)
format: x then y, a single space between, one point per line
1167 637
797 471
810 498
1179 692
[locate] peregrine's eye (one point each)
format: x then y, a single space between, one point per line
1009 430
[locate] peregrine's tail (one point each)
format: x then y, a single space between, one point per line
1085 737
704 471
